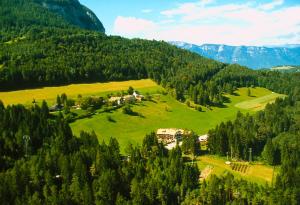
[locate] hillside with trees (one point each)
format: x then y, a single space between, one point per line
55 56
17 15
42 162
41 47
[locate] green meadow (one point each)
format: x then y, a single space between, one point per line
259 103
256 172
163 112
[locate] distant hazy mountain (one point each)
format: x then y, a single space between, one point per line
251 56
286 69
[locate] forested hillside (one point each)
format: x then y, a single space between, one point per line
52 56
39 46
21 14
43 163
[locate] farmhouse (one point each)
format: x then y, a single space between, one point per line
169 135
129 98
117 100
137 96
203 138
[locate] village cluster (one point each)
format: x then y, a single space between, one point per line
119 100
93 101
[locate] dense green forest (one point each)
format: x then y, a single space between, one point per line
43 163
19 15
256 132
41 47
53 56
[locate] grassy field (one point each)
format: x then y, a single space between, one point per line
50 93
162 112
256 172
258 103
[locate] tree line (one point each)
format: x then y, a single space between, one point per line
56 56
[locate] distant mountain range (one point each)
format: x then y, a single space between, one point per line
286 69
251 56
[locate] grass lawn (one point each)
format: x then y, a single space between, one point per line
258 173
258 103
162 112
72 91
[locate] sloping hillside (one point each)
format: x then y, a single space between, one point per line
39 46
18 14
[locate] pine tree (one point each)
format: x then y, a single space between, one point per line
249 92
268 153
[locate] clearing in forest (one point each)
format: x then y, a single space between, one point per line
163 111
255 172
259 103
50 93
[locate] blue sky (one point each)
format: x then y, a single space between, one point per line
267 22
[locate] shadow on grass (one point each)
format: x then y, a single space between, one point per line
152 101
235 94
112 120
135 114
221 106
226 99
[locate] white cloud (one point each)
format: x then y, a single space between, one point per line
233 24
271 5
133 27
187 8
147 10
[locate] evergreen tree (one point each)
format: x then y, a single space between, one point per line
268 152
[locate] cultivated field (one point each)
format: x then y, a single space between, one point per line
50 93
255 172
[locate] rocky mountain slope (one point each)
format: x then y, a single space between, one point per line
250 56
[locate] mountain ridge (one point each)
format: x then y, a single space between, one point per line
255 57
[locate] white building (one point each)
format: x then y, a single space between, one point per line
203 138
169 135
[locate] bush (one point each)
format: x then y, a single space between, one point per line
199 108
110 119
188 103
127 110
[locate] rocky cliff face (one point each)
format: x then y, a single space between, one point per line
251 56
74 13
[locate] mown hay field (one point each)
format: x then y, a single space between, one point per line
73 90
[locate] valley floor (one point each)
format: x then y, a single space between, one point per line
162 111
